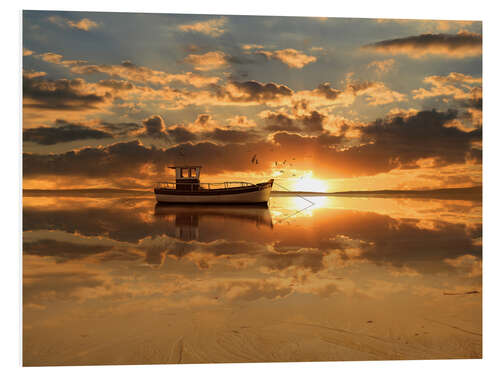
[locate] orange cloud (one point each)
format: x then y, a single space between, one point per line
213 27
207 61
84 24
382 66
251 46
457 85
129 71
33 74
291 57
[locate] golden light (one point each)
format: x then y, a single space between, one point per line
308 183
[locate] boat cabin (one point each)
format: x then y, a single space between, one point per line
187 177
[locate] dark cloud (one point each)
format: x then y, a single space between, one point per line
453 45
395 142
325 89
313 121
154 126
180 134
231 136
309 259
65 132
308 123
119 159
119 85
421 136
380 239
280 122
119 128
61 94
388 144
252 91
62 250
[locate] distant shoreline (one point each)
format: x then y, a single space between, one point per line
469 193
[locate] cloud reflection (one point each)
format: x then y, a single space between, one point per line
118 255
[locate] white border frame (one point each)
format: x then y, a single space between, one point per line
11 222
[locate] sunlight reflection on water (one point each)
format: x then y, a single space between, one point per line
130 277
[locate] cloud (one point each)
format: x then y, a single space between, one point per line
84 24
66 132
129 71
55 58
252 92
375 93
457 85
338 235
51 57
61 94
460 45
27 52
279 122
213 27
236 93
382 146
241 122
308 122
291 57
30 74
230 135
154 127
118 85
387 144
382 66
180 134
136 73
208 61
63 251
248 47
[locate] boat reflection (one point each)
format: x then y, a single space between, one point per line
188 218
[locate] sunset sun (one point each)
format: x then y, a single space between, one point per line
309 183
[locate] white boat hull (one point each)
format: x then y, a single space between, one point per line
255 197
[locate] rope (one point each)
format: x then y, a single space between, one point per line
311 203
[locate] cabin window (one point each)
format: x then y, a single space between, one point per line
184 172
190 172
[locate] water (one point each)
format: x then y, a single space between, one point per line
118 280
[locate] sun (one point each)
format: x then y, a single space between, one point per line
310 184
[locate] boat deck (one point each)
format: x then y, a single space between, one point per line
204 187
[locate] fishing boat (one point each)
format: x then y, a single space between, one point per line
187 188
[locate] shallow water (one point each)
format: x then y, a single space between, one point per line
123 281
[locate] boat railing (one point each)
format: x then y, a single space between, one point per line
196 186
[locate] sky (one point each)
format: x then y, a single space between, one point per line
323 104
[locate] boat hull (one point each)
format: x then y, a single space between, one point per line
259 196
243 194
